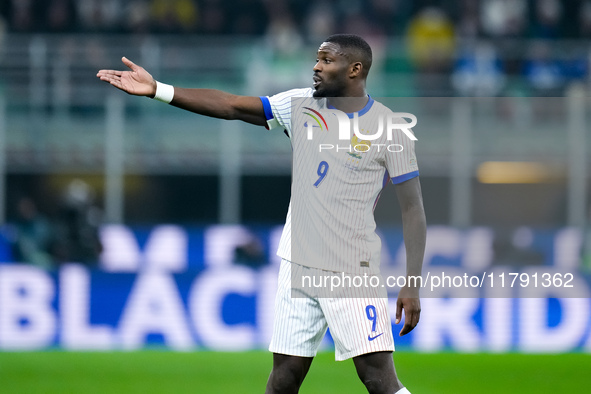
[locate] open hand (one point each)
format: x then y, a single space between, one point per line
138 81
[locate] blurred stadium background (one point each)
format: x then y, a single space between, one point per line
172 219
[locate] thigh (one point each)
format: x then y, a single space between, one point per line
358 325
299 323
378 361
377 370
297 365
288 373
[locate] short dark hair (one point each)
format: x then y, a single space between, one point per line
354 47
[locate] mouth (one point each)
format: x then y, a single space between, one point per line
317 80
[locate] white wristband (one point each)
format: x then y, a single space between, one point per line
164 92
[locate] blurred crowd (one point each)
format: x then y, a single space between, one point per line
477 44
469 18
69 236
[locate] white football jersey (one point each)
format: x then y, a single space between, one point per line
337 179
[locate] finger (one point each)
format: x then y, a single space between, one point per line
405 329
398 311
411 319
113 80
408 324
109 72
109 78
105 78
130 64
415 318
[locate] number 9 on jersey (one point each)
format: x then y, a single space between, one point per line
322 171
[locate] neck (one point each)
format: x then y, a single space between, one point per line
348 104
353 99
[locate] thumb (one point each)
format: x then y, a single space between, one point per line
129 63
398 311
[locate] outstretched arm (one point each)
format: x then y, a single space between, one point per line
208 102
414 230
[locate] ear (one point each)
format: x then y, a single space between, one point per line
355 70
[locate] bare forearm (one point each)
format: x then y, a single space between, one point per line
208 102
219 104
414 228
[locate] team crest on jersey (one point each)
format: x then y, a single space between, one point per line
358 148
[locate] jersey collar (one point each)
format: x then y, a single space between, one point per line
361 112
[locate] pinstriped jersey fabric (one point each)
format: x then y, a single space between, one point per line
301 322
336 182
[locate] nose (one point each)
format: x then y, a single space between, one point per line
317 67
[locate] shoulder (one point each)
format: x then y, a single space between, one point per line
379 107
305 92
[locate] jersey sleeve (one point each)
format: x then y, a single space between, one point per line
278 108
401 161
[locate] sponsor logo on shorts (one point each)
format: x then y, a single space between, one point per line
370 338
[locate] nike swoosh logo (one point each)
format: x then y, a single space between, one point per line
370 338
